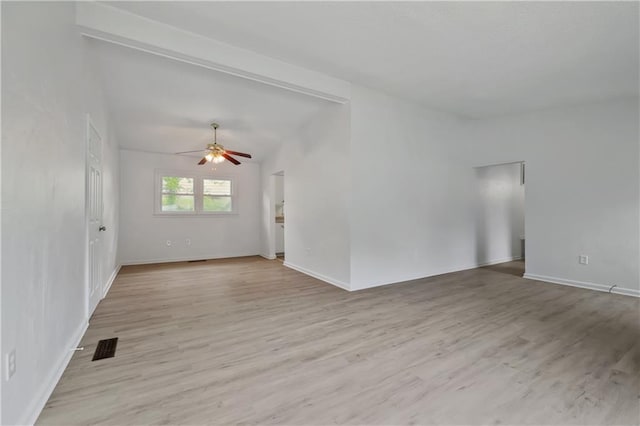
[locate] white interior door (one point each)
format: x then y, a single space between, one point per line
94 217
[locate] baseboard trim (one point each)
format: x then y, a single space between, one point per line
268 257
495 262
583 284
626 291
321 277
36 407
183 259
112 278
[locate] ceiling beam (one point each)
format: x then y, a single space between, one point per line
107 23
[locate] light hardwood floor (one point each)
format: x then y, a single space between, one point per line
248 341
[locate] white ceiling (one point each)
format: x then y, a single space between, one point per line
476 59
162 105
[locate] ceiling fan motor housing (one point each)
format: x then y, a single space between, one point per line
216 147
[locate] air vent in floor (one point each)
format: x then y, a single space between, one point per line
106 349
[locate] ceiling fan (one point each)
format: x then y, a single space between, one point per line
216 153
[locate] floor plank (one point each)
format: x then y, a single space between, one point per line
249 341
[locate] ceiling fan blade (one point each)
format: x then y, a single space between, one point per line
230 158
241 154
188 152
203 161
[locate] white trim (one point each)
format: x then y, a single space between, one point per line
499 164
48 385
626 291
184 259
321 277
198 193
583 284
108 23
495 262
110 281
157 190
268 257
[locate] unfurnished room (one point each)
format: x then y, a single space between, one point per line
320 212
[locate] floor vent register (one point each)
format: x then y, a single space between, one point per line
106 349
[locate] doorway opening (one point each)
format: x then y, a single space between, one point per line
500 217
280 215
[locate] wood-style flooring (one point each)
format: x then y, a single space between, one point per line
249 341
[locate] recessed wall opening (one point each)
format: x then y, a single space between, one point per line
279 222
500 217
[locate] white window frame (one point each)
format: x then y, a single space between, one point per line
198 193
233 197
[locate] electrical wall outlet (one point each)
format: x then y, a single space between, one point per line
583 259
11 364
187 241
168 243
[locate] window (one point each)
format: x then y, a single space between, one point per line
177 194
216 195
182 194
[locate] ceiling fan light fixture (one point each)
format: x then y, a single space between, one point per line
216 153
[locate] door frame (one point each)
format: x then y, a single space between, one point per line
523 178
274 190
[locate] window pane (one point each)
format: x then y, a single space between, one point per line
177 185
177 203
217 187
216 204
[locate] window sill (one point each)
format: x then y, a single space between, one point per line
195 214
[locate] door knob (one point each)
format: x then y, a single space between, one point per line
102 228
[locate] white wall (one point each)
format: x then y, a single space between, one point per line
143 235
499 213
2 353
317 188
411 208
47 89
582 194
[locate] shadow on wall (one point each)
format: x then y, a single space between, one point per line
499 213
